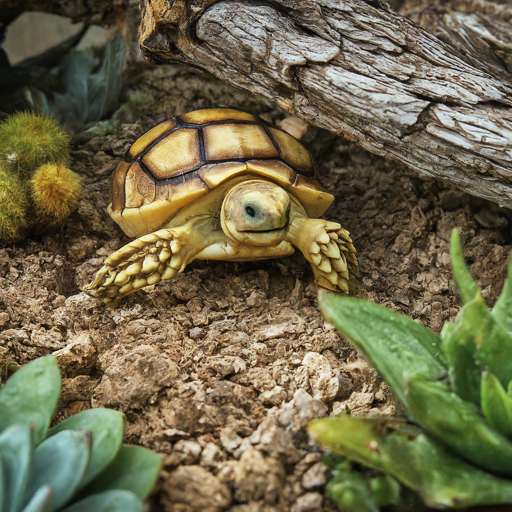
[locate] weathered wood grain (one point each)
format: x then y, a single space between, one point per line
437 100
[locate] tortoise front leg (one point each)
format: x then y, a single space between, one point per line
328 247
150 259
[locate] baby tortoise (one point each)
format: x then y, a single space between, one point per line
218 184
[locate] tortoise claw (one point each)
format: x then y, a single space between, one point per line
339 252
143 262
328 247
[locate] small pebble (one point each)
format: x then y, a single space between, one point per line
309 502
196 333
4 318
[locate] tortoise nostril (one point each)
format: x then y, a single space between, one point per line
250 211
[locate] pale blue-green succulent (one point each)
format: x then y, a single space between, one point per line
79 465
455 448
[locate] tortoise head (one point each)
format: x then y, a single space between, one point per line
256 212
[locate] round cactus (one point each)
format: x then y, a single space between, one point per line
55 190
28 140
12 206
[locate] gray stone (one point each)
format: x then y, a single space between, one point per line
196 487
315 476
309 502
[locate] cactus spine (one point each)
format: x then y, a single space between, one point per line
36 187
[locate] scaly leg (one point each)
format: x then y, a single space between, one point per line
150 259
328 247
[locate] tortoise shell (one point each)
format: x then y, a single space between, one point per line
185 157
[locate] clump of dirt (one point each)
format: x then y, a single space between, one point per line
221 368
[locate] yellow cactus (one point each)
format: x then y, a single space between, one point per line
13 204
55 190
28 140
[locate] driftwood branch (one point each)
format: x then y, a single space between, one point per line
438 100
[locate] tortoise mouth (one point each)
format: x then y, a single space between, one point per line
274 230
257 238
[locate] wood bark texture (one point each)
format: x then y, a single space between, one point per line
437 99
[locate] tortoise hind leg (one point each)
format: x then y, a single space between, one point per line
150 259
328 247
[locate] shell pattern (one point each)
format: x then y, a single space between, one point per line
185 157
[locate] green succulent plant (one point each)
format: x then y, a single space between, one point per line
455 450
28 140
88 94
55 191
79 465
36 187
13 206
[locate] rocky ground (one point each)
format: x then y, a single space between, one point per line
221 368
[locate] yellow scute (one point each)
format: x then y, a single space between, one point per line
139 187
231 141
147 138
294 153
274 170
174 155
209 115
311 195
215 174
158 213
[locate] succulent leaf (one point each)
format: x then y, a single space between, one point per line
460 350
493 342
473 343
442 478
466 284
134 469
41 501
104 85
454 469
31 395
2 485
502 310
364 439
358 439
334 460
16 453
396 346
60 462
110 501
107 429
458 424
351 493
88 96
496 404
83 451
385 490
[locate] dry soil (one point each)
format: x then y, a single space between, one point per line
221 368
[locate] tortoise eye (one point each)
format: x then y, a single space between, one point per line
250 211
